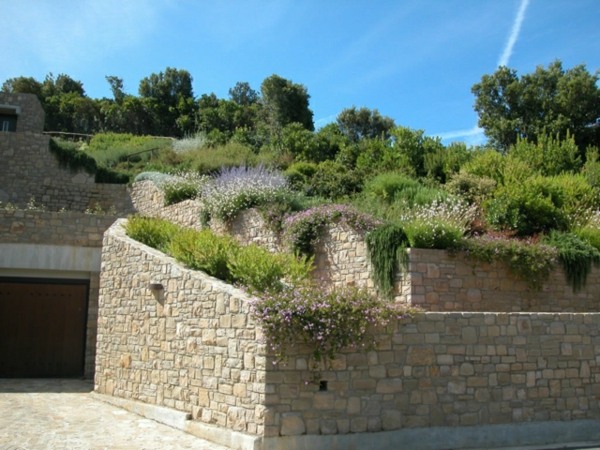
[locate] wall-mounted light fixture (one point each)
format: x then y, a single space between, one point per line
155 287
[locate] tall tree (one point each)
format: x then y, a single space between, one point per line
549 101
363 123
285 102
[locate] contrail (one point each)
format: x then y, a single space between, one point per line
503 61
514 34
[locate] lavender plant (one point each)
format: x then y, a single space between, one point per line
239 188
301 230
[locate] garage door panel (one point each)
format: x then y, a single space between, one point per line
42 329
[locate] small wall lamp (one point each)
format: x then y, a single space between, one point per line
155 287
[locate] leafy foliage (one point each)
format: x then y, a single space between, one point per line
387 251
69 155
550 101
260 270
155 233
575 255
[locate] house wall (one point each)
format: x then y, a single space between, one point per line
195 348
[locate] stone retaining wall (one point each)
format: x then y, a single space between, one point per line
149 200
30 171
193 347
52 227
435 280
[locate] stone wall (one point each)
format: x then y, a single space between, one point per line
30 171
193 347
30 113
148 200
53 227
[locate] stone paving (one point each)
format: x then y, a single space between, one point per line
61 414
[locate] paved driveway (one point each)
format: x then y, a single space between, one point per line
61 414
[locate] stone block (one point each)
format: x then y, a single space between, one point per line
292 424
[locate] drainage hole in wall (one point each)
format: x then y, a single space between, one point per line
322 385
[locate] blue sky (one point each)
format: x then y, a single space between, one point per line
413 60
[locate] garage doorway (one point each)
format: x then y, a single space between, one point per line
42 327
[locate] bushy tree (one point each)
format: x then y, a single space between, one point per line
171 98
551 101
364 123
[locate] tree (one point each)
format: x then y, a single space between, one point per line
171 97
283 103
116 86
364 123
24 85
243 94
550 101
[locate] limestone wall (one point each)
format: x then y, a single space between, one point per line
191 346
194 348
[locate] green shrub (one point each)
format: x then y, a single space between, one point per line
153 232
204 250
261 270
575 255
433 234
333 180
470 187
389 186
486 163
183 186
589 234
548 156
299 175
387 250
528 208
541 204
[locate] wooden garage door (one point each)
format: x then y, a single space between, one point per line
42 328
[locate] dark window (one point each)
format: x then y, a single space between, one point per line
8 122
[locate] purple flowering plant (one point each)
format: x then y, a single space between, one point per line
327 322
237 188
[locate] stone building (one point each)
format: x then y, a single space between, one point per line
49 249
